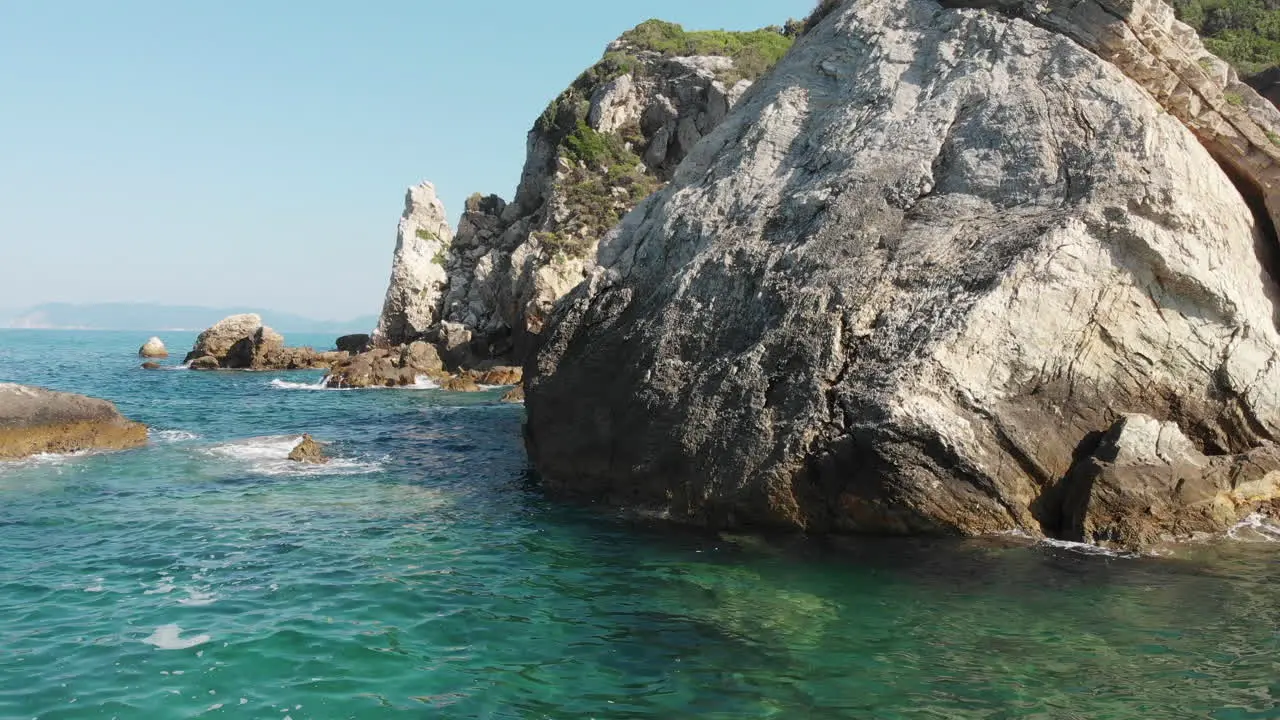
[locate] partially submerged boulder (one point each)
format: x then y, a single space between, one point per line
151 366
308 451
34 420
514 395
1148 483
925 263
153 348
242 342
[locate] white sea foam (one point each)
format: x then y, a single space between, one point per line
270 456
1087 548
421 382
96 587
286 385
1256 528
163 587
172 436
1076 547
198 598
169 637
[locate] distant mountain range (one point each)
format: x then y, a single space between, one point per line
152 317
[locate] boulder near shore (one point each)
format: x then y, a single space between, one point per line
35 420
243 342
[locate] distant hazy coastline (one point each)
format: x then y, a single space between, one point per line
155 317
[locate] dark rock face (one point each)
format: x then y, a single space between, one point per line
353 344
308 451
34 420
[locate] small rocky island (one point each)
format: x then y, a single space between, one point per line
34 421
243 342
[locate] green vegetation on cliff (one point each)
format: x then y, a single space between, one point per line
753 51
1245 33
606 177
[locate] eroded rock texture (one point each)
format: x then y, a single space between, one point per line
919 272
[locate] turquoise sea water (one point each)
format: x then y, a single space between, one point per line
422 575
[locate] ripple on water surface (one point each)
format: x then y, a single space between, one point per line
421 575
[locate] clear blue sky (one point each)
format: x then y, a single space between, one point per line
255 153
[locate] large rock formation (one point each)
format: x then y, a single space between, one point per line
607 142
920 271
242 342
34 420
418 269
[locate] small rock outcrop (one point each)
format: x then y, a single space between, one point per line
514 395
154 348
308 451
34 420
388 367
353 344
151 366
242 342
418 276
1147 483
922 267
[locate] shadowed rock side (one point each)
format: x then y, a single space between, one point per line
915 276
34 420
242 342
